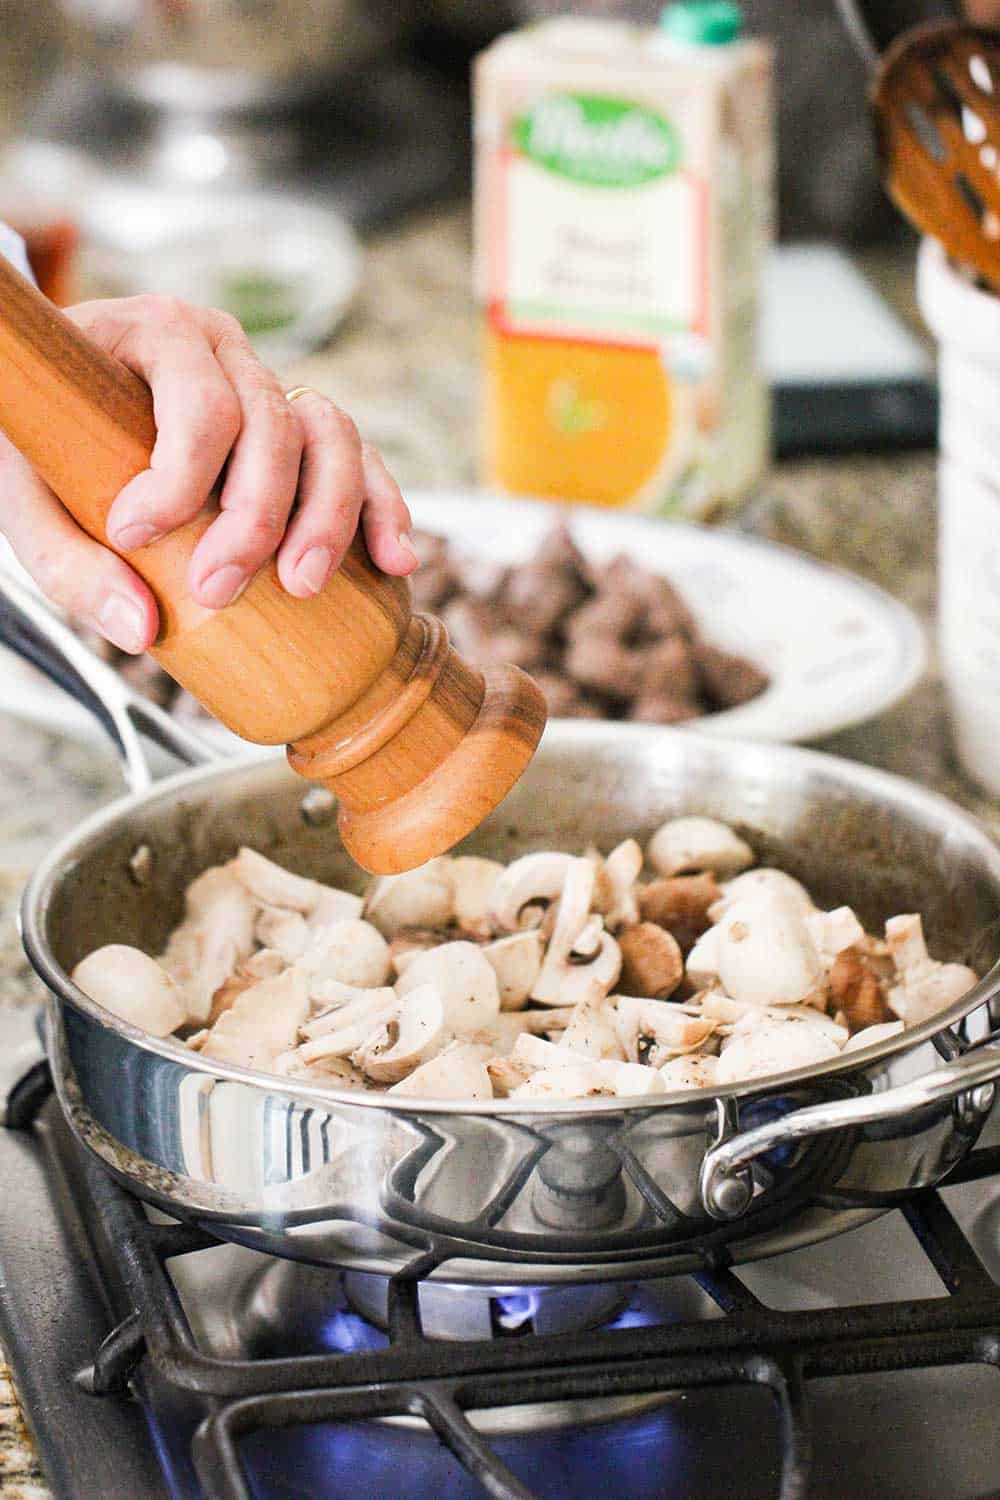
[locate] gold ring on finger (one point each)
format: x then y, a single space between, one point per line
297 391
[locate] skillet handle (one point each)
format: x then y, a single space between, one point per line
726 1187
29 627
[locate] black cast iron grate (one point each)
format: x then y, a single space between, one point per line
439 1382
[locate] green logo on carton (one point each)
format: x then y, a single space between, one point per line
608 142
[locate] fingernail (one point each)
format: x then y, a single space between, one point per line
314 568
121 620
405 540
131 538
223 587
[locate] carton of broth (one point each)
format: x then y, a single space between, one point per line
623 208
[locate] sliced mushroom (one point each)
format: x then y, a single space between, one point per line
412 1034
215 937
591 1079
409 941
870 1036
506 1076
857 990
763 883
503 1031
617 877
272 885
353 952
833 931
694 1070
464 979
516 961
927 986
133 987
286 932
460 1072
418 898
473 882
535 1052
261 1024
681 904
571 983
793 1015
528 881
653 1031
694 843
336 1005
765 955
777 1047
652 963
591 1031
345 1039
264 964
333 1072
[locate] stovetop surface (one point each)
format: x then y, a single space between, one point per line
915 1433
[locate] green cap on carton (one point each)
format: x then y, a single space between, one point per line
702 23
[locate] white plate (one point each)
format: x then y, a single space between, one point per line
838 650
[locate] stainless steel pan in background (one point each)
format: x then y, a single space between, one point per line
497 1193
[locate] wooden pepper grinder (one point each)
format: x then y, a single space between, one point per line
372 701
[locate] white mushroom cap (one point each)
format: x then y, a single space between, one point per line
651 1031
414 1032
702 967
473 880
133 987
516 961
261 1023
793 1015
765 955
418 898
617 878
870 1036
353 952
464 979
686 844
532 878
777 1047
459 1072
765 883
694 1070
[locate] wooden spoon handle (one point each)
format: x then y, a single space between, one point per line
371 702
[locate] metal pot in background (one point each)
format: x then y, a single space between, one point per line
225 56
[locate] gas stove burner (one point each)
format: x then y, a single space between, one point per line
464 1312
291 1308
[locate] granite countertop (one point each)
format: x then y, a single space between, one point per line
403 366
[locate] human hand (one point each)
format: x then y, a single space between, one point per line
297 479
983 12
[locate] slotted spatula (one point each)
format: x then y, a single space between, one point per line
935 98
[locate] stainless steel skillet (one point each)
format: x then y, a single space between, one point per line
495 1193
